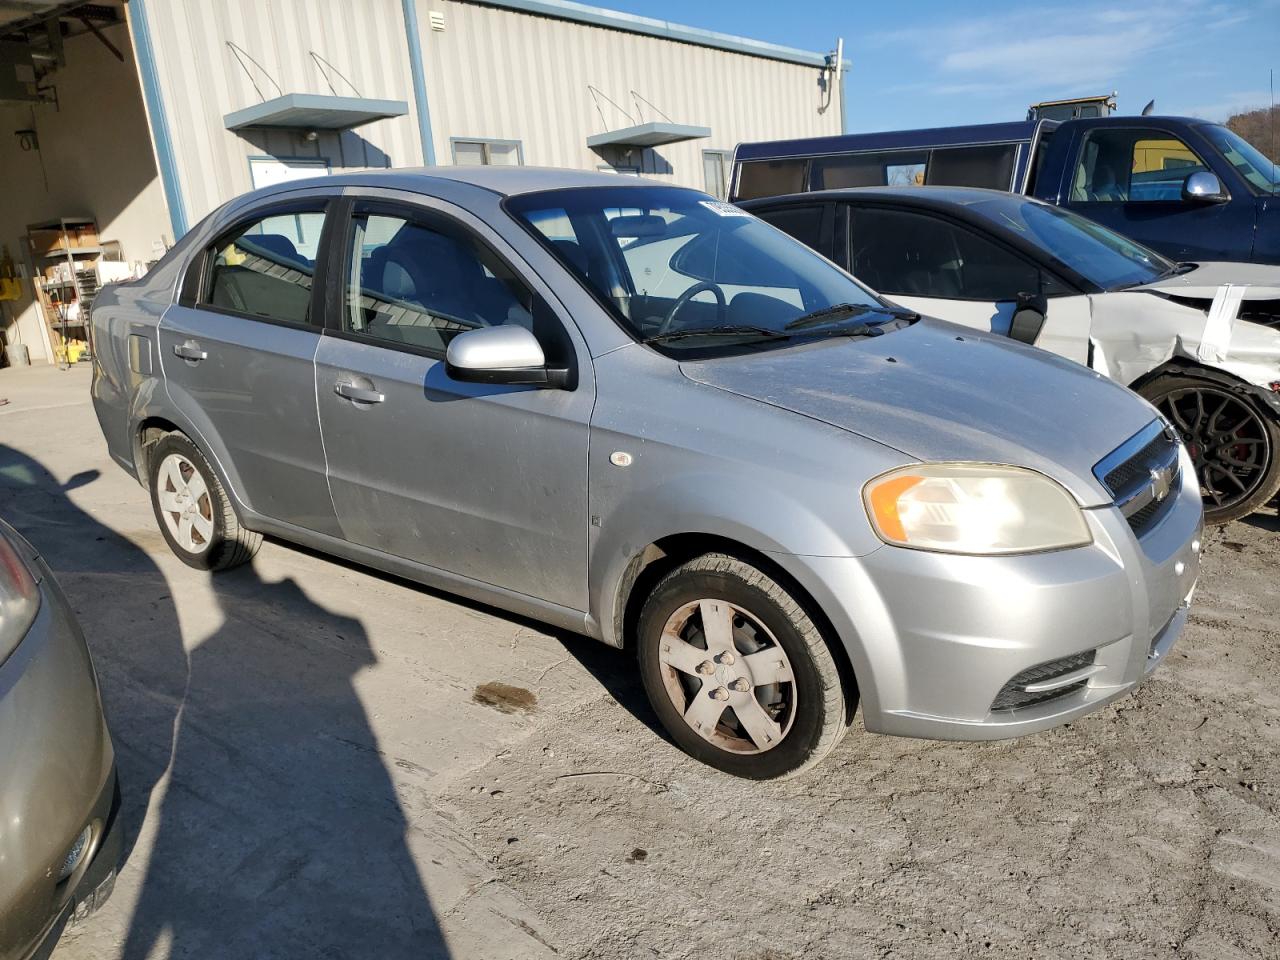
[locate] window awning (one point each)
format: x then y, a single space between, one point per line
654 134
315 111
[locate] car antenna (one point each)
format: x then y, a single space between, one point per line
1151 105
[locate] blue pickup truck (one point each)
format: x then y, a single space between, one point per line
1190 189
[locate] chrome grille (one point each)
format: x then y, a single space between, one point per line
1143 475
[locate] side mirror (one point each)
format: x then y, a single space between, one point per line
1028 317
503 354
1204 187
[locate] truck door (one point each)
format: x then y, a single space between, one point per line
1130 179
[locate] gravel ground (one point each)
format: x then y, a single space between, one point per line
320 762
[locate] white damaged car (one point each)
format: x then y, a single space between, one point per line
1201 341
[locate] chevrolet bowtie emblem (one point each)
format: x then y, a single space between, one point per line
1161 482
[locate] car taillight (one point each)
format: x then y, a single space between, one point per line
19 598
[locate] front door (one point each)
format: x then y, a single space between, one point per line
1130 179
237 353
485 481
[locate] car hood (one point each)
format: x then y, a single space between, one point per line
1262 281
936 391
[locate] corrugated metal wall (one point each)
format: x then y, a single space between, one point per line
495 73
491 73
201 81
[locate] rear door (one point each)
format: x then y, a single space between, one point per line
237 352
1130 179
486 481
945 269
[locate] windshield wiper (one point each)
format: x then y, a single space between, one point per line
727 330
843 311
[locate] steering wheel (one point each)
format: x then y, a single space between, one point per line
697 288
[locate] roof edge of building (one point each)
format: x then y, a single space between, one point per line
664 29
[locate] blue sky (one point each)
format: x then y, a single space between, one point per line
931 63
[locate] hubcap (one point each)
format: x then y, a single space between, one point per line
1226 439
185 504
728 676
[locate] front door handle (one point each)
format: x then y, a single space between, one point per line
189 351
358 394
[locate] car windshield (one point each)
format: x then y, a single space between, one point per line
678 268
1101 256
1248 160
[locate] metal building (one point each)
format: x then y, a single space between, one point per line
194 102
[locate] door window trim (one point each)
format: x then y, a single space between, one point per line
194 290
1083 141
1070 287
339 263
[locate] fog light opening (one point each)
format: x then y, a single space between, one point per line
76 854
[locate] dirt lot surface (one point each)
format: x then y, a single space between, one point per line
319 761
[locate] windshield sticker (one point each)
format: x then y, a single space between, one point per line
722 209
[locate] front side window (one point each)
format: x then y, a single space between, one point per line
667 260
917 255
1133 166
1260 173
803 223
423 283
484 153
1100 255
266 269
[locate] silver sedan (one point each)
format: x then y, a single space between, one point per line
632 411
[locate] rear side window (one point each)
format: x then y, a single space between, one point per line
265 268
771 178
915 255
987 165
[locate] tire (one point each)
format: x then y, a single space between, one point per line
1234 444
192 509
795 701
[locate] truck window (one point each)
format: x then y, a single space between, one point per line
988 165
771 178
1132 166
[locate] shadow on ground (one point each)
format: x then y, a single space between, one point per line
277 830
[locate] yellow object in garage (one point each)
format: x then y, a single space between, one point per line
71 351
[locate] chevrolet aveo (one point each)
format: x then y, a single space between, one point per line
637 413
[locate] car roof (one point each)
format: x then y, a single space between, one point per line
936 198
505 181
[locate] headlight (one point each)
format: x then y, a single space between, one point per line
19 598
975 508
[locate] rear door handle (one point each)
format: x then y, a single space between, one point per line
189 351
358 394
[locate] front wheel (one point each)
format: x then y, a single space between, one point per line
738 673
1235 446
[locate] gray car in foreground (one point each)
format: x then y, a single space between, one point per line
59 835
631 411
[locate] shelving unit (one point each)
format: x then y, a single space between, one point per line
65 253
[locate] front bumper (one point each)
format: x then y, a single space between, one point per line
934 638
58 777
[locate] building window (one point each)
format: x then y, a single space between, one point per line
483 153
715 172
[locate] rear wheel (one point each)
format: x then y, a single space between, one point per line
1234 445
193 510
737 672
